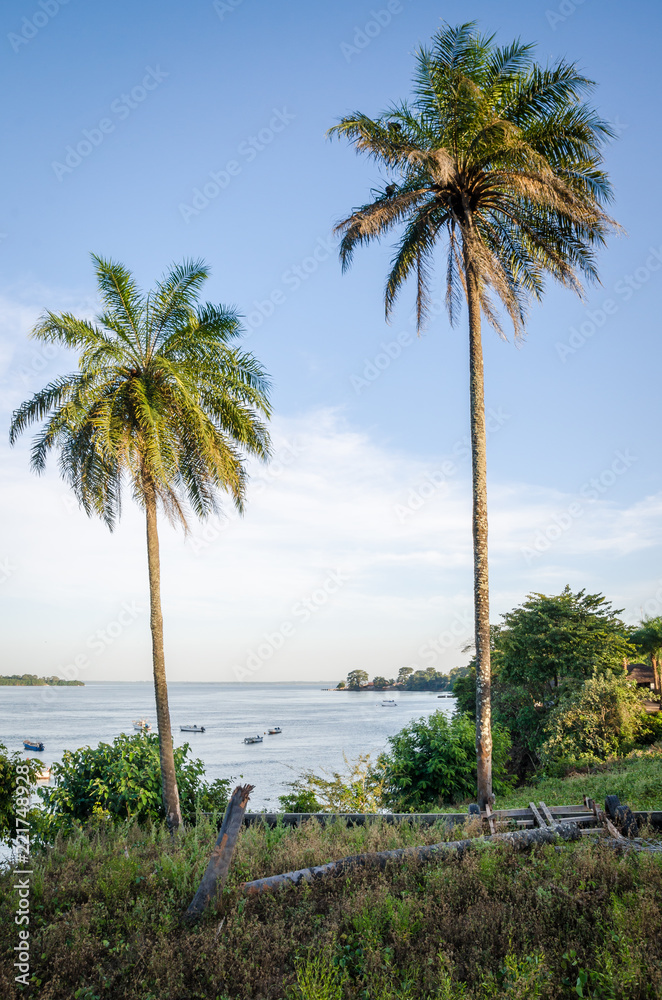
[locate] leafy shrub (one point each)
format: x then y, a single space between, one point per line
10 801
300 800
604 718
122 780
358 790
432 762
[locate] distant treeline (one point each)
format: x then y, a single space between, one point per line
408 680
31 680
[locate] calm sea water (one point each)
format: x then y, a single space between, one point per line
319 727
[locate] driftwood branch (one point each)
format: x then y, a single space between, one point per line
216 871
520 840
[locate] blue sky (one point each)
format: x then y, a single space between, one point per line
150 132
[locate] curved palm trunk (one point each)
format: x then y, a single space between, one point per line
168 777
479 530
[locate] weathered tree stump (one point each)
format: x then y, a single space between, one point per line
217 870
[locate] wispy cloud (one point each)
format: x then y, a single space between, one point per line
330 507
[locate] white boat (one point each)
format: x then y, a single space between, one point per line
142 725
253 739
275 731
447 695
191 729
389 703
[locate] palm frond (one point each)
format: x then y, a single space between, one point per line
502 159
160 402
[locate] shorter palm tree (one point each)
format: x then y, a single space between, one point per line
161 402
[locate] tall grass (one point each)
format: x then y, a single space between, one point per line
107 907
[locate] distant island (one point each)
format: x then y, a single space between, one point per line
408 680
31 680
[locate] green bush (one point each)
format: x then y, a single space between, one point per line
300 800
13 802
122 780
432 762
603 718
358 790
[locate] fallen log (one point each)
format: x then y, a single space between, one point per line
216 871
520 840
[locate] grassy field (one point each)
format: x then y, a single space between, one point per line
106 908
636 779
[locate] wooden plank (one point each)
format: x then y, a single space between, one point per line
354 819
536 815
549 819
490 818
576 818
586 830
567 810
573 812
511 813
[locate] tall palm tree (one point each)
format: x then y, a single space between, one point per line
500 159
162 402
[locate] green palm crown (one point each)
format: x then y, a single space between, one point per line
161 399
495 154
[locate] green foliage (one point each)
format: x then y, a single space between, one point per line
648 640
464 690
319 978
432 762
357 790
545 650
379 683
31 680
161 400
301 799
122 780
16 773
648 637
604 718
427 680
496 156
356 679
548 640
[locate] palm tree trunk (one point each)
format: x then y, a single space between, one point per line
168 777
479 530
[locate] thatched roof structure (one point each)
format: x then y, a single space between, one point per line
642 673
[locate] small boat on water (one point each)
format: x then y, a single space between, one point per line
445 695
389 703
33 745
142 725
275 731
191 729
253 739
44 774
